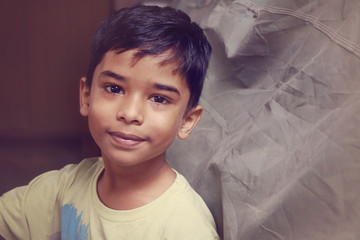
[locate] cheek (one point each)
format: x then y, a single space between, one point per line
94 127
167 126
100 108
99 117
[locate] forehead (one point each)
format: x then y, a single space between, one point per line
131 58
150 67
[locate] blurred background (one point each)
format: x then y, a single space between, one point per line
44 49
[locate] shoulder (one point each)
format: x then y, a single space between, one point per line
55 181
33 205
189 198
58 179
49 187
188 215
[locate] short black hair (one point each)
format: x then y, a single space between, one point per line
154 30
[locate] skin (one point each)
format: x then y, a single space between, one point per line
135 109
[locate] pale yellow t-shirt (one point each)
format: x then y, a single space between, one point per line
64 205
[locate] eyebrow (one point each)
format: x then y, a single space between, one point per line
155 85
113 75
166 88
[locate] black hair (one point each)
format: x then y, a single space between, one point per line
153 30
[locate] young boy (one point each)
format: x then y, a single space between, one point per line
141 91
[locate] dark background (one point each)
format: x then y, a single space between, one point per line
44 51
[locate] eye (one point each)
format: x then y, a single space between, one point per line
159 99
113 89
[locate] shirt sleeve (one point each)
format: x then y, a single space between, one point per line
34 211
12 215
28 212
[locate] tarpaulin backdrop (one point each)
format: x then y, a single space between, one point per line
277 152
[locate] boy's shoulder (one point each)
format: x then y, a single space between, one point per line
187 212
51 186
41 199
69 173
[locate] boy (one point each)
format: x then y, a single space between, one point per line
141 91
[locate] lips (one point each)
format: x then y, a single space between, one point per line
127 140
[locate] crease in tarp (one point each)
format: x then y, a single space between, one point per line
332 34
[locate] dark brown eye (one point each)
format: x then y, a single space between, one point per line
159 99
113 89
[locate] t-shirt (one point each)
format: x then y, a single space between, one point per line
64 204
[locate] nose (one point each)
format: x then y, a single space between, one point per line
131 110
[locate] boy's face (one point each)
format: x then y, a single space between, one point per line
136 109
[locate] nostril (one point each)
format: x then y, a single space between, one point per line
131 109
129 118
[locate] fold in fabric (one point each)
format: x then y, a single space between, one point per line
276 153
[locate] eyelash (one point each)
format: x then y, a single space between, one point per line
113 89
158 99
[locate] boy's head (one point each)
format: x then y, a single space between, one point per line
155 30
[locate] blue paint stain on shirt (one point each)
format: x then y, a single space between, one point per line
72 227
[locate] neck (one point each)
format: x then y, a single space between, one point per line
129 187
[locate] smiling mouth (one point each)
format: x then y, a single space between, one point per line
127 140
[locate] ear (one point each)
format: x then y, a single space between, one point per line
189 122
84 97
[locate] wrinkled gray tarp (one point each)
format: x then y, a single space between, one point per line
277 152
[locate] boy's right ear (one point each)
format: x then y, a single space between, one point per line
84 97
